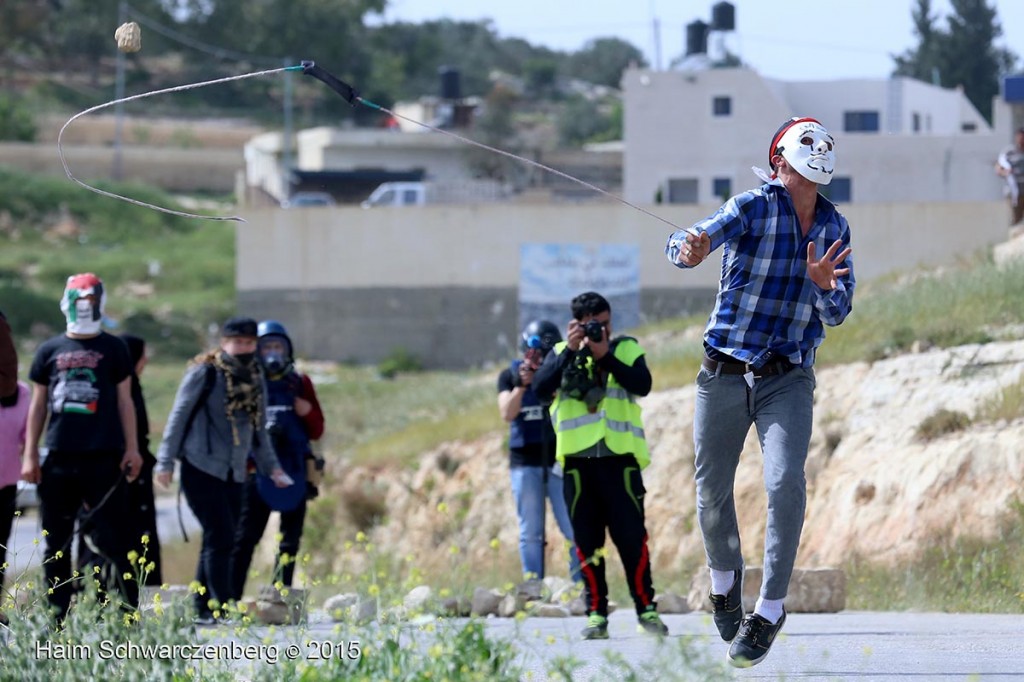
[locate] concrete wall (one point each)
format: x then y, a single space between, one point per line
441 281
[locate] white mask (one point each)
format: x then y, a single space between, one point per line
82 316
808 148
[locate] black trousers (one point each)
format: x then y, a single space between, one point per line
142 520
252 522
8 498
69 482
215 502
608 493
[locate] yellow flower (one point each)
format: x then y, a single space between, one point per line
45 532
95 569
453 549
58 554
442 507
495 543
551 639
127 575
133 556
374 590
145 539
360 536
150 567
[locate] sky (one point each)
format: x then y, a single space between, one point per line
784 39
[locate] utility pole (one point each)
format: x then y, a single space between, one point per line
286 142
118 171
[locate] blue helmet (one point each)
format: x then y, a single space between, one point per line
273 328
542 334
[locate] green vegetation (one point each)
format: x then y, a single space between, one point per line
954 573
168 278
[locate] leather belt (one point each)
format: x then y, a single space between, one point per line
770 369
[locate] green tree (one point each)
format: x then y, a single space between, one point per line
583 120
964 54
496 127
602 61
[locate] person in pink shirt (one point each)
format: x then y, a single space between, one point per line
13 417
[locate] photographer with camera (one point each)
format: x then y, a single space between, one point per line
294 418
532 451
600 443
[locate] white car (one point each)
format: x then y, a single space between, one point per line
300 199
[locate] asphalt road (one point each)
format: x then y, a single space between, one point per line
24 553
857 646
852 645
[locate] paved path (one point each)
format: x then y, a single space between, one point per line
856 646
24 553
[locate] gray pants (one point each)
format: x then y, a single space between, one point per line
781 408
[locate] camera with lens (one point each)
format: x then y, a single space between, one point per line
578 381
594 331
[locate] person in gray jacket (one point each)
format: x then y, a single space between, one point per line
218 418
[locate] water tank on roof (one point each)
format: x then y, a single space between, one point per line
723 17
450 88
696 37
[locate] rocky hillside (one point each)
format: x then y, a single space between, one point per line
874 487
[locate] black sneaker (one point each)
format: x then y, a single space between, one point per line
754 641
727 609
597 627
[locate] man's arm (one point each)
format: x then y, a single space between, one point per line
307 406
33 431
636 379
510 396
548 377
131 463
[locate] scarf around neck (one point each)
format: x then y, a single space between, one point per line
243 390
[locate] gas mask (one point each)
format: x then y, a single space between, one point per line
275 363
83 303
808 148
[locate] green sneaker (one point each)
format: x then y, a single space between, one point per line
597 627
650 623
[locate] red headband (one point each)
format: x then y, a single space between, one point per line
782 131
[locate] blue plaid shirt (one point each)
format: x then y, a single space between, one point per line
767 307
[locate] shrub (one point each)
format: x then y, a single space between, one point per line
941 423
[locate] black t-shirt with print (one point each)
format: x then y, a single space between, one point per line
81 376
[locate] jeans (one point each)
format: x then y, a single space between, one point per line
530 489
780 407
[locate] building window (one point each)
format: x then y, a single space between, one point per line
915 122
721 106
860 121
721 188
839 191
969 127
682 191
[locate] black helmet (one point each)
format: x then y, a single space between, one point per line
541 334
268 328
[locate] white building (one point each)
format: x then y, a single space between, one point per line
692 136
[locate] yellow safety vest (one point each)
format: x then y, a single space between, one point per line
617 419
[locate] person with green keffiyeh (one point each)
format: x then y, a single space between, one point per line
218 419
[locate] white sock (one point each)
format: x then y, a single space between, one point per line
769 609
722 581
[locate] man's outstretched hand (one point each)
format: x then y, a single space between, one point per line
823 272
